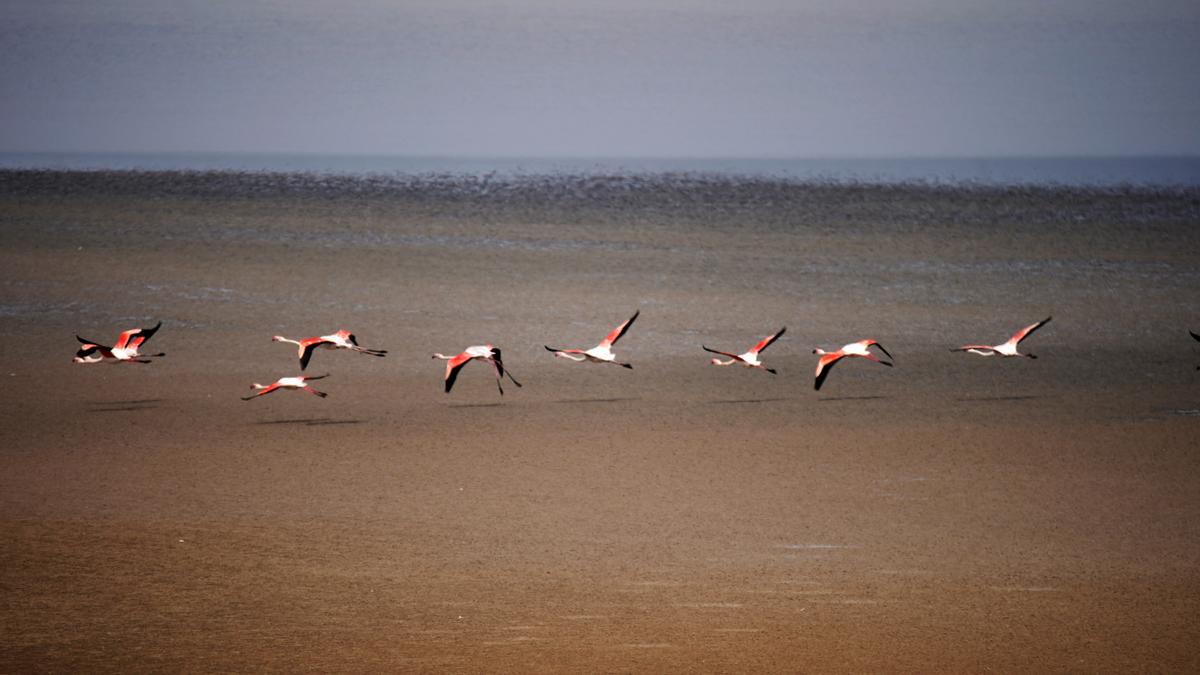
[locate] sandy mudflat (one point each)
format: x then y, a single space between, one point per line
953 513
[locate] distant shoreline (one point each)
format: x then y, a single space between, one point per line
581 185
1161 171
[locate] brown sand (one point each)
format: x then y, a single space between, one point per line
953 513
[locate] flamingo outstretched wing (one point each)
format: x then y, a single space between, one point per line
136 336
262 392
884 351
1024 332
307 346
735 357
766 342
611 338
824 366
453 366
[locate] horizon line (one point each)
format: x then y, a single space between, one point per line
601 157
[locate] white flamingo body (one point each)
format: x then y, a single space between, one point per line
749 359
126 350
601 353
488 353
343 339
300 382
1008 348
860 349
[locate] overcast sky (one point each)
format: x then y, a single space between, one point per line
646 78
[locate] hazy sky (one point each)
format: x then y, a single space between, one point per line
754 78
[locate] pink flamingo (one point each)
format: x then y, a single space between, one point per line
487 353
601 353
125 350
1007 348
859 349
750 358
300 382
343 339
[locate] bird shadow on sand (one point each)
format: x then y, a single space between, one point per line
124 406
310 421
597 400
746 400
851 398
985 399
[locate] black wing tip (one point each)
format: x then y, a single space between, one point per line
627 365
771 371
822 375
1193 334
304 358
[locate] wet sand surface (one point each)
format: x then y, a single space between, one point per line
954 513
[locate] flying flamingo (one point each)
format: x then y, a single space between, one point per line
859 349
343 339
601 353
476 353
300 382
1005 349
125 350
750 358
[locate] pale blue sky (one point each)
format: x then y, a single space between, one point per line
871 78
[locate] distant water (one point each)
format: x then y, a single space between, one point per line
1094 171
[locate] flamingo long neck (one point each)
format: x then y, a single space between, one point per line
820 351
280 338
439 355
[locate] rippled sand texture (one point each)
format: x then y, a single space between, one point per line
954 513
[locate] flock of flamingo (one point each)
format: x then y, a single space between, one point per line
127 349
